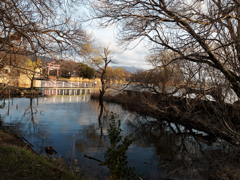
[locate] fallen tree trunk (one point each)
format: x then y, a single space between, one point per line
218 119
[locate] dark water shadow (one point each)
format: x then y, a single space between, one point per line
185 153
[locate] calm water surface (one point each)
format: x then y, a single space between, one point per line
71 125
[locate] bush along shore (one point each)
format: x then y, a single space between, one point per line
19 161
18 91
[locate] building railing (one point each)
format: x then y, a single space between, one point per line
62 84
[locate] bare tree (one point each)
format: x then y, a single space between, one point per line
101 61
32 68
39 27
202 32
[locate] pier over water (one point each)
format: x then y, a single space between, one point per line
51 87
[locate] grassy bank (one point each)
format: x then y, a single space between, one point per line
19 161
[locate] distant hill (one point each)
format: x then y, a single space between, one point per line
131 69
45 60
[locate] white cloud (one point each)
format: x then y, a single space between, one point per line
129 57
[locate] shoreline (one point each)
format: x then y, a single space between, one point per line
202 117
17 92
20 161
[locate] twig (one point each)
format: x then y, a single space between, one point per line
27 141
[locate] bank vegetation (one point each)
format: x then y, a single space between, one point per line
19 161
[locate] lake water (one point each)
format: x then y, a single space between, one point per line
70 124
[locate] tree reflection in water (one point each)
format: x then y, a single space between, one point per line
106 137
2 105
174 152
94 133
182 155
115 156
36 128
30 113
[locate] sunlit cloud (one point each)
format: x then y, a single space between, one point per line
128 57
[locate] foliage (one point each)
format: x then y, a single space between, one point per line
32 65
112 75
2 106
115 156
87 49
86 71
67 68
70 68
109 75
96 60
119 73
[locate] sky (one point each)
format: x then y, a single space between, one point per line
129 57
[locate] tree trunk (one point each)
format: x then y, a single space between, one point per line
32 81
101 97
